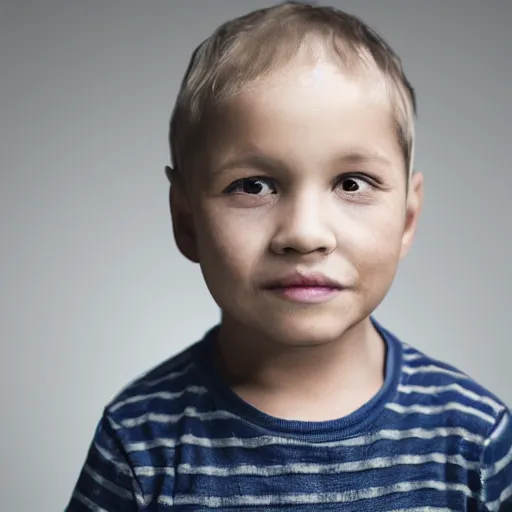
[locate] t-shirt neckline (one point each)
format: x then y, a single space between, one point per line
318 431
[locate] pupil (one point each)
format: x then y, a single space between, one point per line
252 187
350 186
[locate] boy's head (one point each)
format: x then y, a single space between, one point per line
243 52
292 144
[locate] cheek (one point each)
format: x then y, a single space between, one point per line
229 243
375 243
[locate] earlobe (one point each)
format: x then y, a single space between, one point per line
181 216
414 206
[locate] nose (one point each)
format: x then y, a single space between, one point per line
304 227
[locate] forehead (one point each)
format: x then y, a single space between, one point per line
308 113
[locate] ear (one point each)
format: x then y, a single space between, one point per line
181 215
413 210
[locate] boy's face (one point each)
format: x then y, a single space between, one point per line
302 175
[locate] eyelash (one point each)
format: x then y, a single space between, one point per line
236 185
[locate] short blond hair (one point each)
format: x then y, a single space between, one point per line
250 47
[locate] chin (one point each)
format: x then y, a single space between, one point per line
309 330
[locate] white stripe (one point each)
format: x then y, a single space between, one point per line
262 441
114 424
169 376
431 410
496 434
504 496
164 395
413 357
431 368
318 498
189 412
144 446
506 459
87 502
121 467
345 467
435 390
165 500
149 471
433 433
425 509
113 488
143 382
498 466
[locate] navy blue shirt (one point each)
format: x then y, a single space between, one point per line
179 439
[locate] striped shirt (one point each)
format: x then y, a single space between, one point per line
179 439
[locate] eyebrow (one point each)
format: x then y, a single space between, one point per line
270 164
362 157
252 161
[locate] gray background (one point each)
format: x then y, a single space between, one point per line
93 290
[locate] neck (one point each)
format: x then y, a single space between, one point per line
313 383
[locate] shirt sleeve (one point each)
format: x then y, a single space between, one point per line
496 473
106 482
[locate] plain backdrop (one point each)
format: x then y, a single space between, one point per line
93 289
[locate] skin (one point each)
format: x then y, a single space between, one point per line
330 196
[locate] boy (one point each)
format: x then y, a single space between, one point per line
292 144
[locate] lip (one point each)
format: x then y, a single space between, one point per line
303 280
311 288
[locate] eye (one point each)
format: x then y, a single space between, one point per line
251 186
352 184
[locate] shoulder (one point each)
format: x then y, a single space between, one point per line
441 404
132 455
160 397
447 386
434 393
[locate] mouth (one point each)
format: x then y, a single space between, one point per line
305 288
